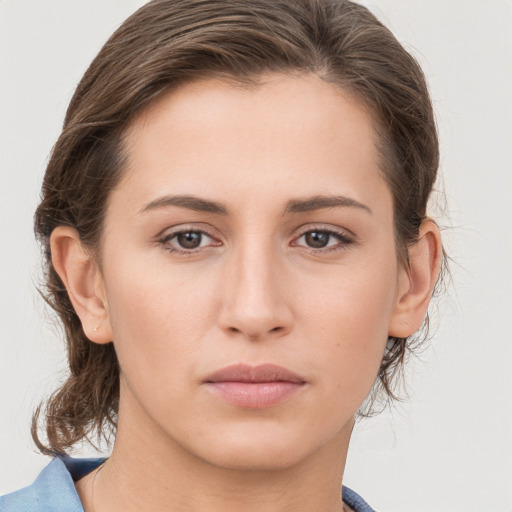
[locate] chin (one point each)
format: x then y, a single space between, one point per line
257 449
255 458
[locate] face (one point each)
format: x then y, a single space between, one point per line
249 269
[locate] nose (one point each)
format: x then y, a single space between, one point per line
256 297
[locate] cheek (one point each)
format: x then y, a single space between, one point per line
346 323
158 318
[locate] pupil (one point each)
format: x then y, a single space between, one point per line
189 240
317 239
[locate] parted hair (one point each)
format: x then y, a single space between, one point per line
167 43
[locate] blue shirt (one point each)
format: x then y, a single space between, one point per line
54 489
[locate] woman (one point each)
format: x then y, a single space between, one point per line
234 218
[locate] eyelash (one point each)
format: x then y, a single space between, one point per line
343 239
166 239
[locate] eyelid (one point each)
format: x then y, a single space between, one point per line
183 228
326 227
174 234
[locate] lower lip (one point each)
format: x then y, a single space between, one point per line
254 395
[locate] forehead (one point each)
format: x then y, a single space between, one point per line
297 102
296 132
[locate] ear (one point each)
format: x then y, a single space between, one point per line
82 278
416 282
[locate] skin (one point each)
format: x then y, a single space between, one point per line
253 292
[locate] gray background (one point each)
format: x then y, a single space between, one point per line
449 448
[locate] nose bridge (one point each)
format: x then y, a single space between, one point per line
255 298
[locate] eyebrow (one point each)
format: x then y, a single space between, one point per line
319 202
294 206
185 201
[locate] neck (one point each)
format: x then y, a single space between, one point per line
153 472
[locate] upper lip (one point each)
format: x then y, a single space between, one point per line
260 373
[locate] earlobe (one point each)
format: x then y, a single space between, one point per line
82 278
417 282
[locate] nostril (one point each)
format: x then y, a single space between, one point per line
254 335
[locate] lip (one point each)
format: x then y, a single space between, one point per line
254 387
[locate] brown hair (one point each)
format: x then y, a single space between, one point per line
170 42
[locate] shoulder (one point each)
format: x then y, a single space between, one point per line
53 490
355 502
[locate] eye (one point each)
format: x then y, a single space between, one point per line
187 241
318 239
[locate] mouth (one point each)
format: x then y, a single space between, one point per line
254 387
